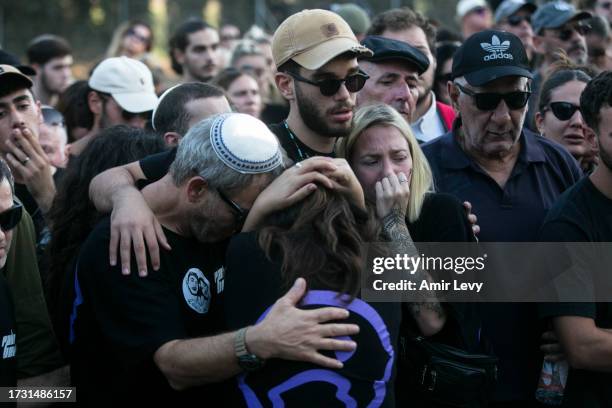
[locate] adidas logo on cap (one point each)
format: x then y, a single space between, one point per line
496 49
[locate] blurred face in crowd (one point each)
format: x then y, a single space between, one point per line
18 110
257 66
201 57
476 20
56 74
562 121
493 132
230 34
6 236
378 152
136 41
519 24
416 37
394 83
442 81
327 115
570 38
244 95
53 141
604 8
113 114
604 139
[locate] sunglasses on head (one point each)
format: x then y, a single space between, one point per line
240 213
562 110
566 33
131 32
11 217
330 86
516 20
488 101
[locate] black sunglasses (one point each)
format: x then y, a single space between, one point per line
486 101
516 20
11 217
132 32
567 33
444 77
606 6
328 87
562 110
241 213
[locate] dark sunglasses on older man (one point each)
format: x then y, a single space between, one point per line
566 33
329 86
488 101
516 20
11 217
562 110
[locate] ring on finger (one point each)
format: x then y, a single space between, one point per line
25 161
298 165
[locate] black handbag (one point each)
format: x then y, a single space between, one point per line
446 376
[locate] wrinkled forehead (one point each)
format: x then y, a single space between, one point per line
503 84
380 68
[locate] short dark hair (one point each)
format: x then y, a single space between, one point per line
6 174
46 47
180 38
171 115
75 108
597 93
401 19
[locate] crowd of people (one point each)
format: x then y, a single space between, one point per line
202 240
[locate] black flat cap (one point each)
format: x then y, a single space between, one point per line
386 49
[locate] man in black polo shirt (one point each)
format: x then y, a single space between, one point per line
584 214
510 175
151 337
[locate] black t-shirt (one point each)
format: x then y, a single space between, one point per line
582 214
120 321
8 360
156 166
274 113
253 284
296 150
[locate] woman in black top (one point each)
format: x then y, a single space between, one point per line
320 239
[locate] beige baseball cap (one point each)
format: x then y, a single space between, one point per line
11 76
314 37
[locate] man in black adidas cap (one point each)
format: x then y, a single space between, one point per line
510 175
394 70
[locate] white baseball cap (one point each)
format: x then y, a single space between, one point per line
465 6
129 81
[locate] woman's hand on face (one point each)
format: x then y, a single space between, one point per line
392 192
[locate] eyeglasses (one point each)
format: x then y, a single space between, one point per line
567 33
11 217
330 86
241 213
562 110
515 20
488 101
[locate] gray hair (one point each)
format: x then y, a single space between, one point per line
195 156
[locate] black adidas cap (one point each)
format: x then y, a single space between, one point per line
489 55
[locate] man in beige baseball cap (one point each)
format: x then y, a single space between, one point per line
315 52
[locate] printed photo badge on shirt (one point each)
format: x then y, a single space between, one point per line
196 290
